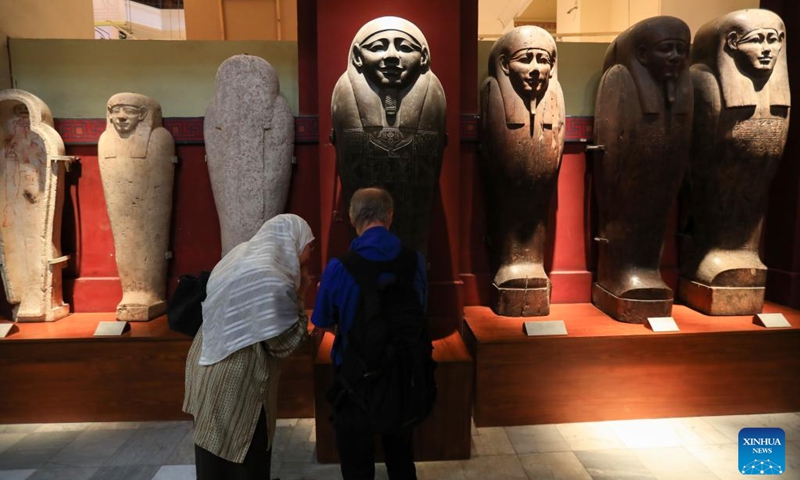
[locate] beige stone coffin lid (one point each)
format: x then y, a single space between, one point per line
249 137
136 155
32 166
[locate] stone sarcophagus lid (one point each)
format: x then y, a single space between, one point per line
643 120
741 120
249 138
388 113
136 156
522 114
32 166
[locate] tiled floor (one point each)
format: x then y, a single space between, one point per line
699 448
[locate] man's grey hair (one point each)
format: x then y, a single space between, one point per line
370 205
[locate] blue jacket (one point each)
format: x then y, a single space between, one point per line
338 294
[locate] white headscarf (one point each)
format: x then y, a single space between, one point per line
252 290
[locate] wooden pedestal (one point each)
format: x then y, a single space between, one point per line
445 435
608 370
59 372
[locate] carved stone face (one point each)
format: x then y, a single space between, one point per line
390 59
529 71
757 51
665 59
125 118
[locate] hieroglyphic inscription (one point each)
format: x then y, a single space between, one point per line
406 164
760 136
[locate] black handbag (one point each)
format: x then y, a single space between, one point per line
185 309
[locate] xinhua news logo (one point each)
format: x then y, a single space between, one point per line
762 451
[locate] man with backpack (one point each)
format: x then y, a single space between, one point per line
374 296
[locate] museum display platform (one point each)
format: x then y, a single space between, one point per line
445 435
608 370
60 372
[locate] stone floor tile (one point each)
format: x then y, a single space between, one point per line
674 463
92 448
614 464
16 474
730 425
300 434
176 472
63 427
380 472
554 466
63 473
184 452
115 425
148 446
445 470
7 440
130 472
495 467
305 422
789 422
286 422
721 460
163 425
35 449
659 433
282 436
589 436
298 452
793 458
697 431
491 441
307 471
537 439
19 428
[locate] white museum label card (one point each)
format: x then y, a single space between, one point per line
110 329
544 328
662 324
771 320
5 328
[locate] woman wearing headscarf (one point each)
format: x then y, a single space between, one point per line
253 318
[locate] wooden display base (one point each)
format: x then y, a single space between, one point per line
607 370
721 300
521 302
445 435
60 372
629 310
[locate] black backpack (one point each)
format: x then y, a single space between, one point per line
185 309
386 380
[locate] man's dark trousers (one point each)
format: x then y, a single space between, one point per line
357 454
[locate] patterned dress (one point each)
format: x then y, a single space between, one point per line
226 398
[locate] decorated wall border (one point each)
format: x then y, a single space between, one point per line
189 130
87 131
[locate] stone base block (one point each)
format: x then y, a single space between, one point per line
721 300
140 313
521 302
629 310
55 313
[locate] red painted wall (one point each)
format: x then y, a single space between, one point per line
91 281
